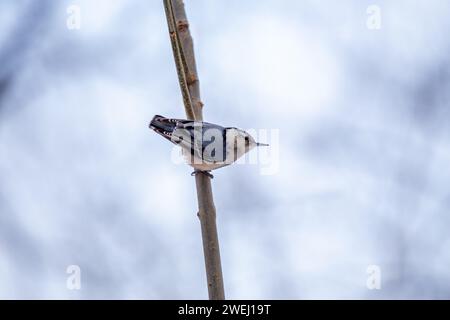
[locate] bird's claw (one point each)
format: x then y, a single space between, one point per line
206 173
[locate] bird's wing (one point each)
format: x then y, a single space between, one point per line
205 140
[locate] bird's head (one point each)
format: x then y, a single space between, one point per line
244 142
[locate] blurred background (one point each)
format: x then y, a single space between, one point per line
364 149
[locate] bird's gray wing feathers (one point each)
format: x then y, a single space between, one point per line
204 140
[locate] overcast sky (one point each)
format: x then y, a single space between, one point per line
354 96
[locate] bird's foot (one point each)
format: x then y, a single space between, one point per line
206 173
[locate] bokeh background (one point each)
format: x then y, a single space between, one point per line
364 150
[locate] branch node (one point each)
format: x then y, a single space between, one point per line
199 104
182 25
191 79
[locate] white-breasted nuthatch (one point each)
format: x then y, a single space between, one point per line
204 145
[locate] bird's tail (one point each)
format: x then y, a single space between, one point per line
160 123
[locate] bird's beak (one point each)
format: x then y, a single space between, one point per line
261 144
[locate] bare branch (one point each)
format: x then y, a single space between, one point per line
183 50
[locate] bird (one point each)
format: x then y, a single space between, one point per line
205 146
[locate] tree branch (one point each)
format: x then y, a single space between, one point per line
183 50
